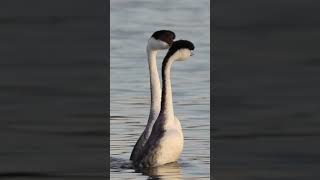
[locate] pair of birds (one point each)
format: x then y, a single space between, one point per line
162 140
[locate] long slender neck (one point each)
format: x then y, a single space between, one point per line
154 87
166 99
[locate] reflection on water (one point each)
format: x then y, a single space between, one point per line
131 26
169 171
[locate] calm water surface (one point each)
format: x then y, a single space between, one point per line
53 90
267 90
132 23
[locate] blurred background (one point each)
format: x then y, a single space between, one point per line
53 89
267 59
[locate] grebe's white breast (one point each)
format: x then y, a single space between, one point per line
165 145
171 144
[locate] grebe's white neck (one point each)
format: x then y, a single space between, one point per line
166 100
155 89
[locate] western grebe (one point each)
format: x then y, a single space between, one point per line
159 40
165 142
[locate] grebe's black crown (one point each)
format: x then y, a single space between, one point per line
177 45
165 36
182 44
160 33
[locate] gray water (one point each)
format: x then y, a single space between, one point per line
266 90
53 90
132 23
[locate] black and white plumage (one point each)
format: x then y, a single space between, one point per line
159 40
165 142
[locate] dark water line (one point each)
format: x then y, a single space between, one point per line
38 90
42 175
25 174
266 135
87 133
46 19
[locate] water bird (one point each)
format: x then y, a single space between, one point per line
165 142
160 40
